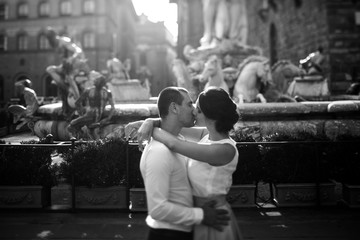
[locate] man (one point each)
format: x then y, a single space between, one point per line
91 115
63 75
170 206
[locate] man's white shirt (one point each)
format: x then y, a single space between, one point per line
169 195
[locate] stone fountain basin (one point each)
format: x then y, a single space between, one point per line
330 118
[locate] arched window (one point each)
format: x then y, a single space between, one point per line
4 11
43 42
50 87
89 40
1 88
298 3
44 9
273 44
22 42
88 6
23 10
3 42
65 7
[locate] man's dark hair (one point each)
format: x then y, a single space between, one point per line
167 96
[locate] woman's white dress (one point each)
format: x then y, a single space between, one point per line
213 182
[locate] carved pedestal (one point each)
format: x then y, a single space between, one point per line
21 197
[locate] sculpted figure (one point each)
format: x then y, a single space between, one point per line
91 106
25 114
73 61
223 19
116 69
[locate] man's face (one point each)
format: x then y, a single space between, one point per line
187 111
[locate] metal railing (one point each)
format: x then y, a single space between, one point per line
316 145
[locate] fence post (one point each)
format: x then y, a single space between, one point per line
127 174
73 200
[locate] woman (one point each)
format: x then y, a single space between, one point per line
213 159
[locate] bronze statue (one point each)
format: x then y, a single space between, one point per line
73 61
91 106
26 113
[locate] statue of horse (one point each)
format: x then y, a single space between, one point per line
254 77
212 74
283 72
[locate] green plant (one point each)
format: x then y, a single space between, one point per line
249 168
296 162
135 178
23 166
344 156
100 163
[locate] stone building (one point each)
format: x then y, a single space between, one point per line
155 50
291 29
99 26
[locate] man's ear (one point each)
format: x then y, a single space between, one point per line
173 108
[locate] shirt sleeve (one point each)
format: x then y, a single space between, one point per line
157 174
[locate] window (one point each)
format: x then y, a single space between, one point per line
22 42
3 43
43 42
89 40
65 7
4 11
44 9
23 10
89 7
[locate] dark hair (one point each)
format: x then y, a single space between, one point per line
167 96
217 105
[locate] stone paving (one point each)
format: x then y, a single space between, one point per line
255 223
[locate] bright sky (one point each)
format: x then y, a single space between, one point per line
158 11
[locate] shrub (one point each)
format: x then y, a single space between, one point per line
249 168
23 166
294 162
100 163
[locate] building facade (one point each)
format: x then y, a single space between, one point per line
100 27
291 29
156 51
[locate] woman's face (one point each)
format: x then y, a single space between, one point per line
200 117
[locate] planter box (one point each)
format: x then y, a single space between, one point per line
90 198
242 196
138 200
351 195
304 194
21 197
101 198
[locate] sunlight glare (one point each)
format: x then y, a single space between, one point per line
159 11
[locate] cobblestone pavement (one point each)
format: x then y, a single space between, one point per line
255 223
